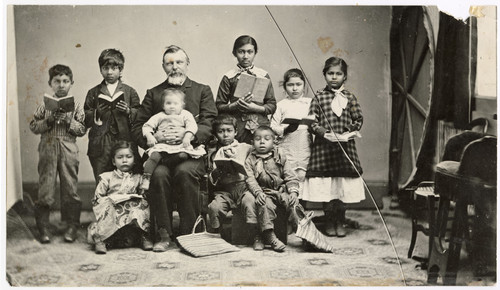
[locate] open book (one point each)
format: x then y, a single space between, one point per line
292 121
113 100
252 84
230 165
117 198
345 136
234 164
54 104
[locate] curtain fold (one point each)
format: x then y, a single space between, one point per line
454 75
14 173
453 72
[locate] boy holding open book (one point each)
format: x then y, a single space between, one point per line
226 172
59 125
110 108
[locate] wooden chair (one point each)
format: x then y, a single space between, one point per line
471 180
423 192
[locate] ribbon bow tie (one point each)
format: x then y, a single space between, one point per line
339 101
247 70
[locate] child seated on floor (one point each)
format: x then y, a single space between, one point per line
162 124
273 182
118 205
230 190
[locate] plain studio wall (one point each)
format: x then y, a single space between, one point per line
76 35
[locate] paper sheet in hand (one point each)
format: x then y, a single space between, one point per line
252 84
113 100
54 104
346 136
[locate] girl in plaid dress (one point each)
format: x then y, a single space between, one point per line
331 178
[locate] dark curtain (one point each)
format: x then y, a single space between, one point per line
454 84
453 87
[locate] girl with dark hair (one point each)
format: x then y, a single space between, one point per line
249 115
331 177
121 212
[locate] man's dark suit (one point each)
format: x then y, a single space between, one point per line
182 183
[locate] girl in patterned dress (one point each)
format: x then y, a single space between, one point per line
249 115
117 214
331 178
294 139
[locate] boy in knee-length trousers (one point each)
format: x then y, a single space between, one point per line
273 182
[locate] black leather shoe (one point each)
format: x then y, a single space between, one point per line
70 234
44 236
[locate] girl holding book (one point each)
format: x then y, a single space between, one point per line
249 113
334 171
122 213
290 123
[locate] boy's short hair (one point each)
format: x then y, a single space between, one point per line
60 69
223 119
172 91
112 57
264 128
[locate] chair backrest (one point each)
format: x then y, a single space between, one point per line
479 160
456 144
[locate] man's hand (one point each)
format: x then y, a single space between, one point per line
174 136
261 198
123 107
151 140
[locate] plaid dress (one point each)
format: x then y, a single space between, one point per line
327 158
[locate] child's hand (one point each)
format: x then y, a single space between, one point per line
261 198
294 198
242 105
123 107
290 128
51 120
229 152
186 141
151 140
102 108
332 137
248 98
60 116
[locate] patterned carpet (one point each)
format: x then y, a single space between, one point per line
363 258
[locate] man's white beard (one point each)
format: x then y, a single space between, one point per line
176 78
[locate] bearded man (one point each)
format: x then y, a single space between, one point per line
181 183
